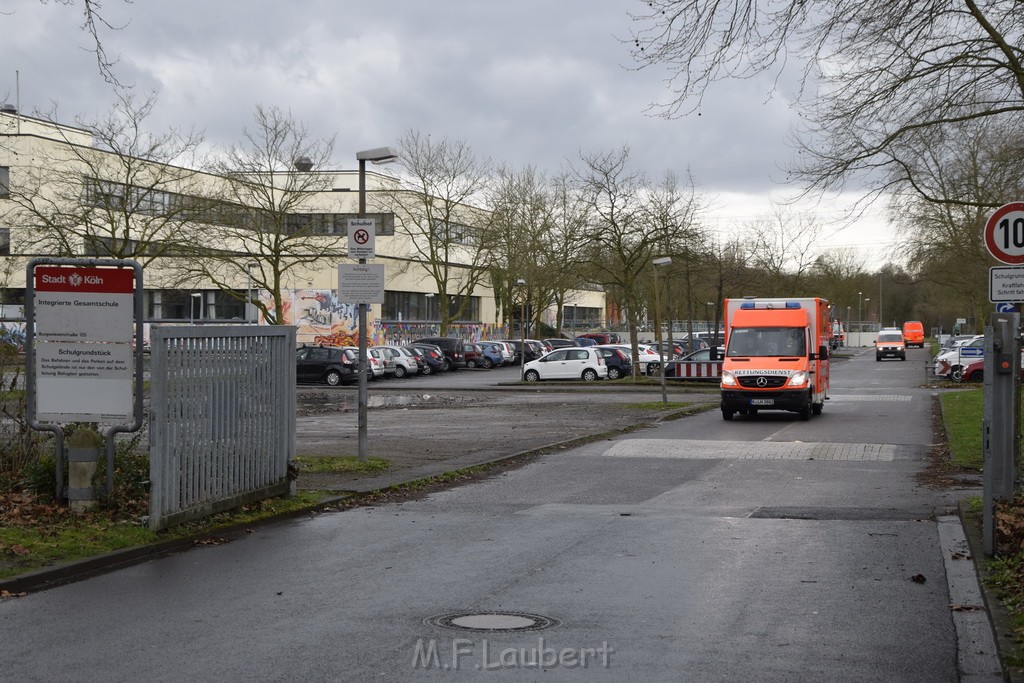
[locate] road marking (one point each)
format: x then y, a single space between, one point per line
870 397
748 450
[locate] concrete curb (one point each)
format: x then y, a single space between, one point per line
999 618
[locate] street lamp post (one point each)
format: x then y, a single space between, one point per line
880 323
862 324
192 307
846 336
378 155
521 283
860 316
248 290
661 261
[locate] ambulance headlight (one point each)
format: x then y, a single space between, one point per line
798 379
727 379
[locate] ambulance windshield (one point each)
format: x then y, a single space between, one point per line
767 341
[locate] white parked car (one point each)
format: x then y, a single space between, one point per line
648 360
570 363
405 361
374 361
950 364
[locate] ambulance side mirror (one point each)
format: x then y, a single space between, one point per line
822 353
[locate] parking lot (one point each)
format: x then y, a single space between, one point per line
469 416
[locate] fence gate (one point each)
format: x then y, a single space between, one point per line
221 418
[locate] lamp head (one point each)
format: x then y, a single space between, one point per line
377 155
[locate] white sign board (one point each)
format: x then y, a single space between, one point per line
362 237
361 283
1006 284
84 382
84 325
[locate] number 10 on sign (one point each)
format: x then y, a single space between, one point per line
1004 233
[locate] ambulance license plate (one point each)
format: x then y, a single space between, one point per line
762 401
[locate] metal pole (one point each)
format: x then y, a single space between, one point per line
881 324
522 329
362 330
248 294
657 334
860 315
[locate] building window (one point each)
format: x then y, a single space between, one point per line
5 241
5 182
224 306
337 223
418 307
178 304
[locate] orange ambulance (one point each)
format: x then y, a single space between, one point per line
776 356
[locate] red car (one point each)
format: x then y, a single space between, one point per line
975 372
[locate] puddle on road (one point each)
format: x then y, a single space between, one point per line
332 402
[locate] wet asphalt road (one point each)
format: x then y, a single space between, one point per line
759 549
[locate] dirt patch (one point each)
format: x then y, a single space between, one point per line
941 473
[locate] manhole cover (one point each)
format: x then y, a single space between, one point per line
493 621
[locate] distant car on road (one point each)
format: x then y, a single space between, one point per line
890 344
913 333
571 363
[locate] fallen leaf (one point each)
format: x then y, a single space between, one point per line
19 550
918 578
212 540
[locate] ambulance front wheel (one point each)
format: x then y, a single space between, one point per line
726 414
816 408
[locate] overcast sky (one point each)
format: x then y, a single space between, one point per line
529 82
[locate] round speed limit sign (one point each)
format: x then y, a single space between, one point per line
1004 233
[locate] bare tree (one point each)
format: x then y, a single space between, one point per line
785 244
94 21
533 235
875 72
440 215
261 215
622 238
123 196
675 208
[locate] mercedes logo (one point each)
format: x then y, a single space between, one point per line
762 381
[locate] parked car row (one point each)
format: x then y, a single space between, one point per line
336 365
427 355
961 351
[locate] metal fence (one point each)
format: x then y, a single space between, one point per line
221 418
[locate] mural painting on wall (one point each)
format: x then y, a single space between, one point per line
320 318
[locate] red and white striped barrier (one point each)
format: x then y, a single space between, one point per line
698 370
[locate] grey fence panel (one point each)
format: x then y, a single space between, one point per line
221 418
